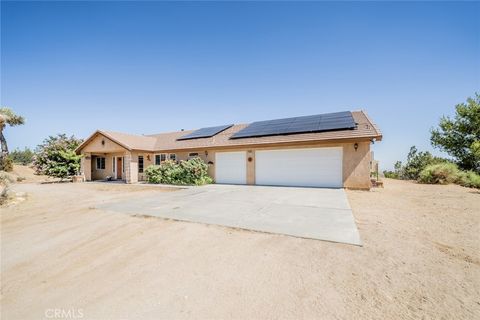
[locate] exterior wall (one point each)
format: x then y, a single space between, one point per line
108 146
356 162
101 174
356 166
206 156
86 166
131 167
148 160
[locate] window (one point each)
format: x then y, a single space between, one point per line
113 164
140 164
159 158
172 156
123 164
100 163
192 155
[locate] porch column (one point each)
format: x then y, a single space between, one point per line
86 166
131 168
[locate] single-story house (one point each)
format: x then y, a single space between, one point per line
326 150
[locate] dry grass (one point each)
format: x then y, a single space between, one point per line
420 260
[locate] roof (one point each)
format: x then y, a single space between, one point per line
365 130
128 141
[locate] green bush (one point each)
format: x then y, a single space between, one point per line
469 179
56 157
189 172
24 156
390 174
442 173
417 161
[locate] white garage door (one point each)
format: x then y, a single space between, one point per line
313 167
231 167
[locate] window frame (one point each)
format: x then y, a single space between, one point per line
101 167
195 154
174 156
160 155
140 169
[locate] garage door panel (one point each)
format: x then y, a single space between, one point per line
231 167
313 167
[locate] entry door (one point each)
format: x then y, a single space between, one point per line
119 167
231 167
313 167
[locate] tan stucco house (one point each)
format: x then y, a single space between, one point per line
330 157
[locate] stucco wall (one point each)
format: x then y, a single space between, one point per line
356 166
96 146
100 174
356 163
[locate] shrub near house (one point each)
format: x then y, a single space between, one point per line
189 172
56 157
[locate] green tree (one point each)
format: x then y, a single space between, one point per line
24 156
56 157
460 136
7 117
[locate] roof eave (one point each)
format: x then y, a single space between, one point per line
93 135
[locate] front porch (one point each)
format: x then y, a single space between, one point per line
104 159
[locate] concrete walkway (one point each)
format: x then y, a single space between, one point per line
315 213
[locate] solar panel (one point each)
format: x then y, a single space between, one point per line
205 132
316 123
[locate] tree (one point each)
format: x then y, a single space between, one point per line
460 136
416 162
56 157
7 116
24 156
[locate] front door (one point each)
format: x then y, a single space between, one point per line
119 168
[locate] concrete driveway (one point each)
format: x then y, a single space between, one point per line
315 213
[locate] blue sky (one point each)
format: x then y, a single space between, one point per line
149 67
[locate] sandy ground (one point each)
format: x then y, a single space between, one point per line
420 260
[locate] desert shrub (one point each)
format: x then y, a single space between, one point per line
6 163
441 173
417 161
469 179
189 172
390 174
24 156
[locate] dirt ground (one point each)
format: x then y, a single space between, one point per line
420 260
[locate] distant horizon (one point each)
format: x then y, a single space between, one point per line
153 67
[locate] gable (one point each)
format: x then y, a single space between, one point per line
101 144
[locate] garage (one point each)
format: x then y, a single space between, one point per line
231 167
312 167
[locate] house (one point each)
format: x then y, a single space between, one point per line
326 150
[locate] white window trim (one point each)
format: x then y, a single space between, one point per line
170 156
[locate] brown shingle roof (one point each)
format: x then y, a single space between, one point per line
366 129
128 141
